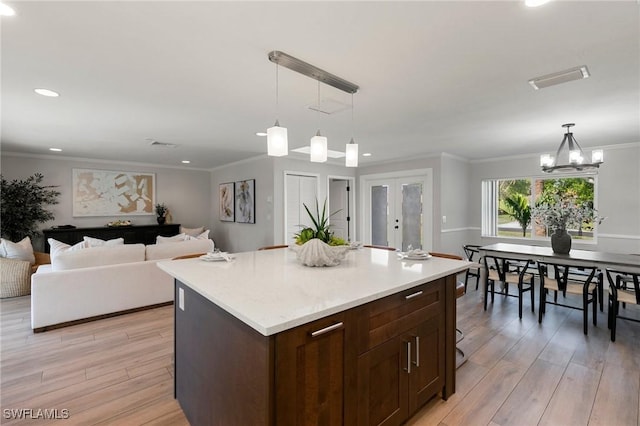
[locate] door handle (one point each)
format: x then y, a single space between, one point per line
396 227
417 361
326 329
408 369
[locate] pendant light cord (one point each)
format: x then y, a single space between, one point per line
277 100
352 126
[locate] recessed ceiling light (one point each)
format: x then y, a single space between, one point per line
55 149
6 10
186 161
47 92
535 3
261 134
366 154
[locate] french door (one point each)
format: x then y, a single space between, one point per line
396 210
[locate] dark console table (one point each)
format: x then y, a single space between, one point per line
145 234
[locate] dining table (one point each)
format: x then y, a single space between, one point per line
578 258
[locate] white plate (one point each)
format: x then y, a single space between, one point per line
213 258
416 256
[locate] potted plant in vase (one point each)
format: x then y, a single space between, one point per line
161 213
560 214
316 245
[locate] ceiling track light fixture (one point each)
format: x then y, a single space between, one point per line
575 160
318 145
312 71
277 138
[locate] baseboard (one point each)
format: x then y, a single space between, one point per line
99 317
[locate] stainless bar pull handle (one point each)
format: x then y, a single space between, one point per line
411 296
408 358
326 329
417 361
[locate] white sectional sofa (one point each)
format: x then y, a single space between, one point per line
94 282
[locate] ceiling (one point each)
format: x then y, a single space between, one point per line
434 77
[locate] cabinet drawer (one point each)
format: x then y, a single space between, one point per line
389 317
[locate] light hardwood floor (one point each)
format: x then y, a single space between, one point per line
119 371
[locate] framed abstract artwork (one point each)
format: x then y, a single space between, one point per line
227 205
245 201
112 193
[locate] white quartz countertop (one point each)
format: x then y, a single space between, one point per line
271 292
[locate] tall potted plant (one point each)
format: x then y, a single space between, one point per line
24 205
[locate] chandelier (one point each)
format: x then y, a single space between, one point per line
573 155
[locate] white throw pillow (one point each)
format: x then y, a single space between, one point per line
58 247
176 238
97 242
194 232
203 236
22 250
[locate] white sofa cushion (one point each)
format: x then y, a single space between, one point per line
169 251
194 232
22 250
174 239
202 236
98 256
97 242
58 247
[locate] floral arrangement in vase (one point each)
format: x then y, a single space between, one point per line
161 213
561 214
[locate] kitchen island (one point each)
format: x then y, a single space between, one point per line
263 340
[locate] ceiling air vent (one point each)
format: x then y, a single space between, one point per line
576 73
154 143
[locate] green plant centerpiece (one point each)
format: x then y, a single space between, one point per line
321 228
316 245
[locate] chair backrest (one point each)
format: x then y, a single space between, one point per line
503 265
623 280
380 247
563 273
273 247
470 250
446 255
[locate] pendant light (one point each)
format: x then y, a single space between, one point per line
575 156
351 158
277 139
318 149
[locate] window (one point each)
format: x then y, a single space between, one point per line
507 204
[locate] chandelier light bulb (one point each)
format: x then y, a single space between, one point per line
597 156
575 157
546 160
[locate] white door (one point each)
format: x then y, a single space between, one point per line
339 208
299 190
396 210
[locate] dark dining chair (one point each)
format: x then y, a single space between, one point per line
472 253
624 287
501 270
565 281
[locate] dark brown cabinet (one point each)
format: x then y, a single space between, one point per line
144 234
311 372
375 364
398 376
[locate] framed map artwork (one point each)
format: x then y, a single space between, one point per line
246 201
226 194
113 193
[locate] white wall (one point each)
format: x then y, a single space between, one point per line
618 197
238 237
187 193
454 204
